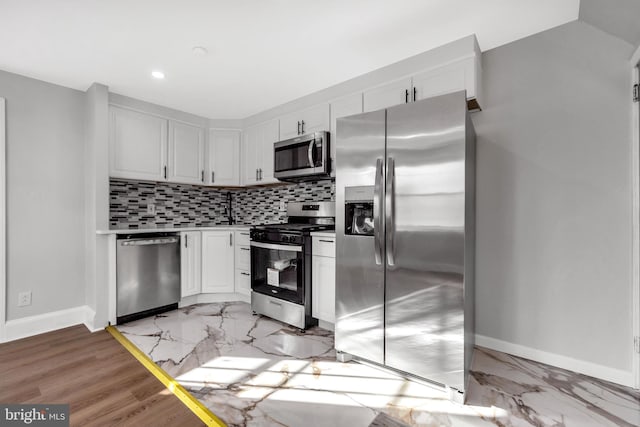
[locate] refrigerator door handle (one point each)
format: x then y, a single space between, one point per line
390 211
377 213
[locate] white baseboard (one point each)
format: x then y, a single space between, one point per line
89 320
595 370
39 324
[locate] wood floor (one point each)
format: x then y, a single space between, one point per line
103 384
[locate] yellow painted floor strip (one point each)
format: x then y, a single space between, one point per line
185 397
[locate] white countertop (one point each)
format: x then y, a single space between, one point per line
330 234
173 229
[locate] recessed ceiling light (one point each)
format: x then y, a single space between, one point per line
157 75
199 50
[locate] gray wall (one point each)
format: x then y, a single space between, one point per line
554 195
45 204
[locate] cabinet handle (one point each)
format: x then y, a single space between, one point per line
213 177
165 172
260 178
256 174
415 93
326 241
302 127
298 128
245 249
202 176
230 239
245 234
186 239
406 96
245 274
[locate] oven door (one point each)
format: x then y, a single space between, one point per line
302 156
278 271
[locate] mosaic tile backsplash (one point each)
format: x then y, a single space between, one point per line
181 205
262 205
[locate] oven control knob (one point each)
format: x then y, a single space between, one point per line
285 238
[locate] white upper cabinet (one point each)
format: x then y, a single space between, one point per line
449 78
250 143
342 107
217 262
223 160
186 153
257 153
270 132
137 145
447 69
309 120
394 93
147 147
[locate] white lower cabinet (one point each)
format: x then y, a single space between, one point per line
243 263
323 280
190 263
243 282
217 261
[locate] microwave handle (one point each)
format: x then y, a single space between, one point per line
310 152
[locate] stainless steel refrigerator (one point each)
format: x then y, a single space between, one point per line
405 226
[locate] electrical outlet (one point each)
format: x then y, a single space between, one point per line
283 206
151 209
24 299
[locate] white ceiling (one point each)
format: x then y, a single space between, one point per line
262 53
620 18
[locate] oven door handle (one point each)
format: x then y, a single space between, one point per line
277 247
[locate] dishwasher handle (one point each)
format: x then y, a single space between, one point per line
146 242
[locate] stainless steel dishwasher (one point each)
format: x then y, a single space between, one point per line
147 274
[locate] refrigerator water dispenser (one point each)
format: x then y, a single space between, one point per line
358 211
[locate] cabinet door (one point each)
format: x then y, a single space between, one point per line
243 282
290 125
315 119
323 288
342 107
217 261
251 144
190 263
137 145
309 120
450 78
391 94
269 136
243 257
186 153
223 165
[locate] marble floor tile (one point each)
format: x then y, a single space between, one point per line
254 371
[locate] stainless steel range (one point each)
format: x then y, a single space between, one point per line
281 263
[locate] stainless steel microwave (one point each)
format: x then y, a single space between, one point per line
305 157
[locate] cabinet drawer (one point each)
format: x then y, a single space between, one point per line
242 238
243 257
243 282
324 246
